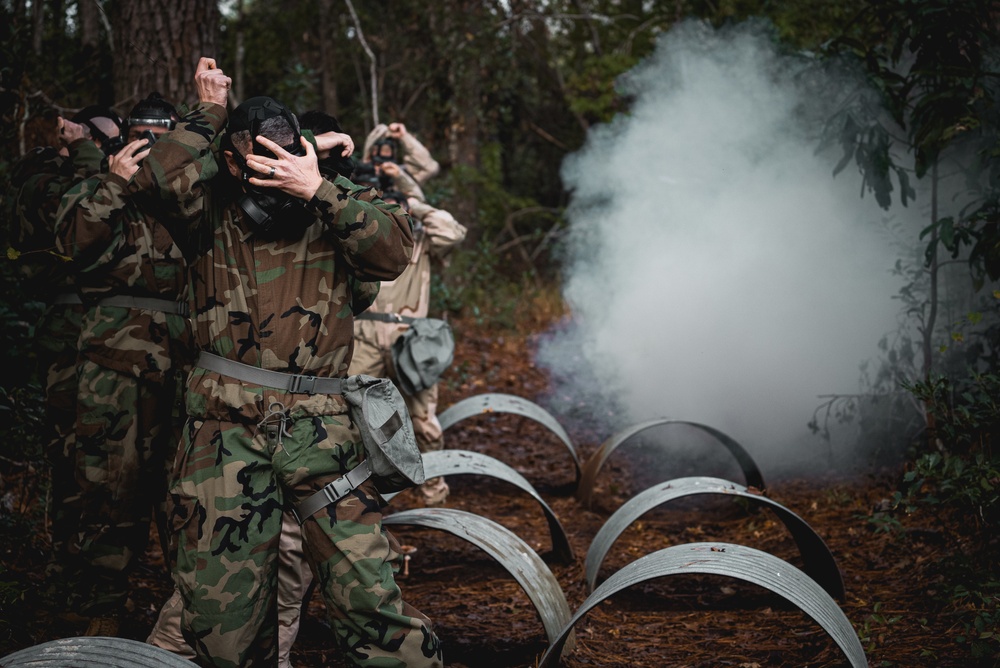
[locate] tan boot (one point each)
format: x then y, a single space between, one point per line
434 491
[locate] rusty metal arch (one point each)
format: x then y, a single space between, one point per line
818 561
592 467
94 652
508 403
510 552
735 561
461 462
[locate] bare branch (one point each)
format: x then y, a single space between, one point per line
372 70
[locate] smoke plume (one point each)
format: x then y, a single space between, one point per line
717 271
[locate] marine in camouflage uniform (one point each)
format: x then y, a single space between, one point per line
38 182
284 305
134 346
408 296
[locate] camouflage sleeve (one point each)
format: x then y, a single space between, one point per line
36 202
363 294
375 238
86 159
181 162
31 198
90 220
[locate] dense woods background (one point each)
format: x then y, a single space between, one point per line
501 92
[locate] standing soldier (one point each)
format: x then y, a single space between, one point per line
38 182
393 143
398 304
267 427
134 345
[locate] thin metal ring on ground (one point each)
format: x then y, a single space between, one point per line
510 552
817 559
508 403
94 652
466 462
585 489
735 561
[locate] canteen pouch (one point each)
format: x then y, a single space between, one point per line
422 354
378 410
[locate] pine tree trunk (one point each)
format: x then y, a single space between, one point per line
157 47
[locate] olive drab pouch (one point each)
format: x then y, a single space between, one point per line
422 353
377 408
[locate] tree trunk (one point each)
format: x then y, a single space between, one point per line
238 93
90 25
38 26
157 47
329 102
464 80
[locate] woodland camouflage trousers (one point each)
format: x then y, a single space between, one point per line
125 437
57 334
231 484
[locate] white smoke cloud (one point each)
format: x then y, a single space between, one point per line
717 271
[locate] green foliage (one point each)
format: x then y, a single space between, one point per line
960 465
591 92
981 624
875 628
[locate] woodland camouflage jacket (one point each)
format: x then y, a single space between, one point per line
38 182
117 232
286 304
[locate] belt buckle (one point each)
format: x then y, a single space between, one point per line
338 489
301 384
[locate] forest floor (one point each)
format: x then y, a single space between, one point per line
896 568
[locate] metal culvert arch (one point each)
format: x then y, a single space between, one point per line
509 551
735 561
817 559
466 462
508 403
585 489
94 652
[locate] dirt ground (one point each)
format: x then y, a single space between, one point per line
896 592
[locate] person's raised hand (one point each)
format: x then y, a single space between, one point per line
125 162
211 82
397 130
390 169
328 141
69 131
296 175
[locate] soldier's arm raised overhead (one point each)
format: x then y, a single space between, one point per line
375 237
181 161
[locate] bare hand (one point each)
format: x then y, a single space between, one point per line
69 131
390 169
293 174
328 141
125 162
397 130
212 83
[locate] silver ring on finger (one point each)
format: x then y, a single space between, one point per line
270 174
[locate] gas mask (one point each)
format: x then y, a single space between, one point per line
269 212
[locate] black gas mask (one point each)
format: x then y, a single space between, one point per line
154 112
110 144
269 212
